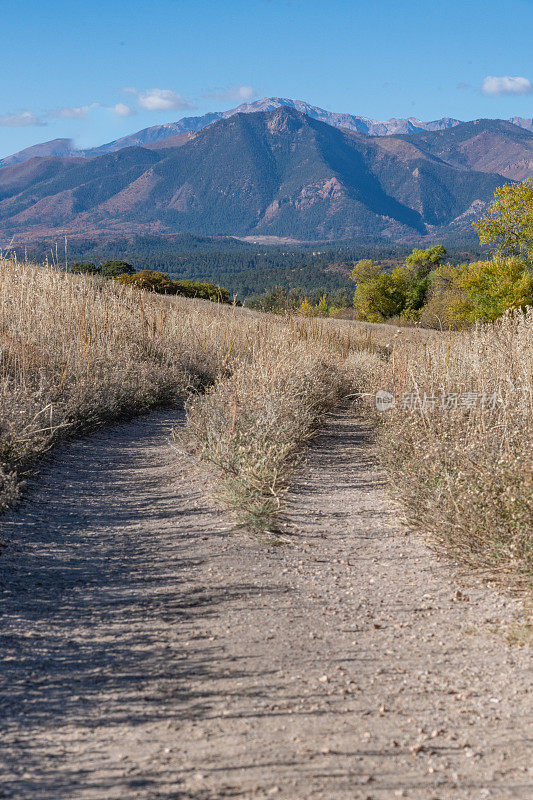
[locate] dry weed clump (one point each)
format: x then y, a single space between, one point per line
459 440
252 423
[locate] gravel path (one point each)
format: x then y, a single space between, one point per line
150 651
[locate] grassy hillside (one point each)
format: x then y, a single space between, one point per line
78 351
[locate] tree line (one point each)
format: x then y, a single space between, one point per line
431 292
152 281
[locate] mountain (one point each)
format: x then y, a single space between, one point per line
18 177
349 121
157 133
485 145
58 148
277 172
172 141
189 125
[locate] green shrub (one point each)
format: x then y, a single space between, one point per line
202 290
112 269
158 282
150 281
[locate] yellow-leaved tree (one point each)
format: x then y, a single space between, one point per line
508 224
492 287
306 309
484 290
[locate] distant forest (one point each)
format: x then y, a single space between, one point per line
244 268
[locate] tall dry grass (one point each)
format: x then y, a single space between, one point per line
459 441
252 423
78 351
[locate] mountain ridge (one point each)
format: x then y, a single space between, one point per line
270 173
158 133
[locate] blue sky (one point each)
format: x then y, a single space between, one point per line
95 70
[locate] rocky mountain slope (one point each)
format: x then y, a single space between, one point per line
485 145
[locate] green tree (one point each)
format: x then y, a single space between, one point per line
423 261
112 269
483 290
446 301
508 224
379 298
418 268
380 295
365 270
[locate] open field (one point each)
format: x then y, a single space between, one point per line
78 351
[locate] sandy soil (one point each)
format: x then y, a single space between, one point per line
151 651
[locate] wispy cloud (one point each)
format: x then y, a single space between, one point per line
26 118
159 99
72 112
505 84
122 110
235 92
20 120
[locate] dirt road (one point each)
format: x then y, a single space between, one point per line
151 651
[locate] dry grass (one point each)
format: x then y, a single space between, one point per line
77 351
251 424
461 452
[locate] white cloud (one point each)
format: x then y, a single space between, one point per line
21 120
122 110
506 85
242 93
159 99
